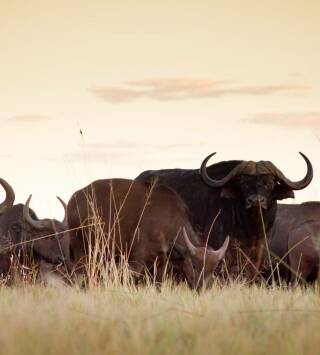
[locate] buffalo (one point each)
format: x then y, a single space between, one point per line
147 225
26 237
294 242
236 198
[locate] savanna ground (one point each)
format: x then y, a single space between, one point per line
119 319
112 315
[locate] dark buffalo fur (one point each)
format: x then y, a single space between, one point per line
16 238
138 222
229 202
295 239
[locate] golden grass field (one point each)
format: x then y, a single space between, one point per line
118 319
112 315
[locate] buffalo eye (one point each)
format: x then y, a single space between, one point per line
269 185
230 192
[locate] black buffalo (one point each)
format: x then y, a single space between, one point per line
294 242
23 235
229 198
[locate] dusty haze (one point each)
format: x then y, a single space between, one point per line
154 84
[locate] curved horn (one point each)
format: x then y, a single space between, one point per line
33 222
216 183
9 200
298 185
192 249
65 219
220 253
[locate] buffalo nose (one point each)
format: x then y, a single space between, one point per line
256 200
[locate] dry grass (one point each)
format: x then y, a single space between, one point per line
113 316
125 320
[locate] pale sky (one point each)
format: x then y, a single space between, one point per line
154 84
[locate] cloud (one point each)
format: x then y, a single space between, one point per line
28 118
122 152
122 145
287 119
297 75
187 89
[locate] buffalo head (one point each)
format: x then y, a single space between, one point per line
250 191
50 239
256 184
200 262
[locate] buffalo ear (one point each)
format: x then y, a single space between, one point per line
229 192
282 191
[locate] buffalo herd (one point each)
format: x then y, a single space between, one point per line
219 222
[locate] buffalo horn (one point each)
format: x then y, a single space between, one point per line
9 200
65 219
222 250
36 224
212 182
192 249
298 185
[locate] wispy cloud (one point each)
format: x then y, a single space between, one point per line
123 145
123 151
28 118
187 89
287 119
297 75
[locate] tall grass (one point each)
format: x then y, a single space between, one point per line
116 315
146 320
